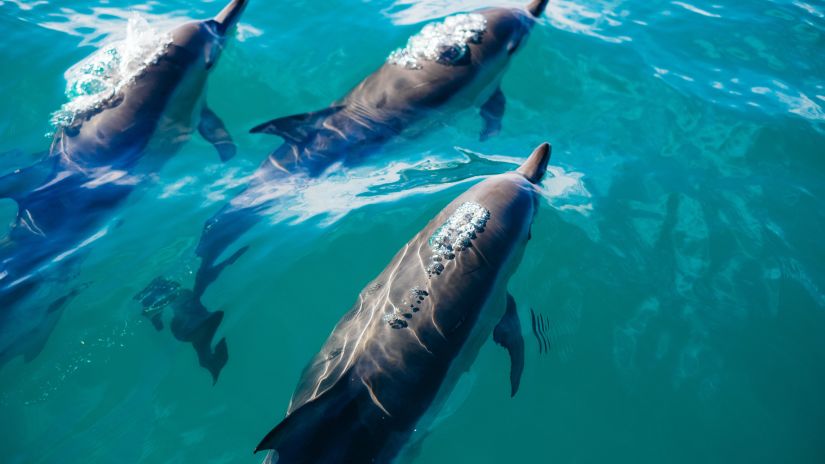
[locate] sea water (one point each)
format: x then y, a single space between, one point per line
677 255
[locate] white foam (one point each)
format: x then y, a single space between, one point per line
105 72
340 190
444 42
333 197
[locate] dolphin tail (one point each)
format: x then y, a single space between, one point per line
536 165
536 7
191 322
229 16
195 324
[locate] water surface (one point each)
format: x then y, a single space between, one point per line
677 253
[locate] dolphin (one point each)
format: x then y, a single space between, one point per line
449 65
454 63
392 360
95 162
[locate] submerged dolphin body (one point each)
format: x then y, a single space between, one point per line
94 164
393 359
451 64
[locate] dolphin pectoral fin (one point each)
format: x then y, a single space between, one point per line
34 350
53 313
508 334
295 128
214 131
491 112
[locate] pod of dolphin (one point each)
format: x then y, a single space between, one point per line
392 361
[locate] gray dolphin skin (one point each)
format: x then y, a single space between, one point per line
448 65
393 359
94 164
459 62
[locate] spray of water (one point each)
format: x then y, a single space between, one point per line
100 76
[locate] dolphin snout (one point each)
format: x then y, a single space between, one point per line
536 7
229 16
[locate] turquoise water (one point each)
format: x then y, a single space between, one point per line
677 253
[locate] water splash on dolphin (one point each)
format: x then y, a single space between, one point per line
101 75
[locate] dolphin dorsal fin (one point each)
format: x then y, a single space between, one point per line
536 165
317 421
296 128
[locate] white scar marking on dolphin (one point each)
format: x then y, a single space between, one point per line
327 124
328 364
60 176
421 259
434 305
31 225
324 375
364 122
415 334
375 398
391 279
375 309
277 165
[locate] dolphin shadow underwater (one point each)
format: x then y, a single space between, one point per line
449 65
392 361
95 162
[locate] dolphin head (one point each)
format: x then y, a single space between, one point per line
509 201
516 194
206 38
508 27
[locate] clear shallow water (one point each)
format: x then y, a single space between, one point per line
677 253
